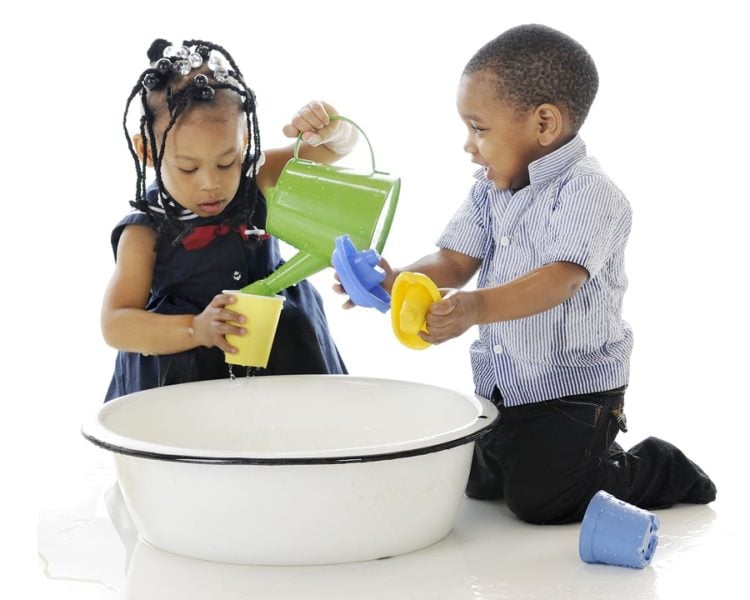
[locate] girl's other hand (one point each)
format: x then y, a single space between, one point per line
212 325
314 122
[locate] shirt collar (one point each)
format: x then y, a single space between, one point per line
155 206
555 163
551 165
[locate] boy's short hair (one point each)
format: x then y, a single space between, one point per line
535 64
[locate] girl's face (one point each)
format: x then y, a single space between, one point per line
500 138
202 161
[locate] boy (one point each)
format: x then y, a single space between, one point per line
546 230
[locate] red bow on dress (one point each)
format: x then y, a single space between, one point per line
203 235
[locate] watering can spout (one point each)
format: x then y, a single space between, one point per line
301 266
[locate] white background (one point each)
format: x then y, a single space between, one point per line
669 125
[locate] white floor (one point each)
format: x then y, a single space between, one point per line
687 267
488 555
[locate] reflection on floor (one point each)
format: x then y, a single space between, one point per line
91 550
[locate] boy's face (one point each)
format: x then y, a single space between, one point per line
500 138
203 160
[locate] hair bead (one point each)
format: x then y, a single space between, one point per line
205 93
151 81
182 66
163 65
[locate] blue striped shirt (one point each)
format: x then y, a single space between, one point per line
571 212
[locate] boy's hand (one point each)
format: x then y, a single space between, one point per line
210 327
386 284
452 316
339 289
314 122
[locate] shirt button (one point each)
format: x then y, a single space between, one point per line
497 349
504 241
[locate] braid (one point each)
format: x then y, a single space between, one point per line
137 89
168 203
252 160
142 204
167 89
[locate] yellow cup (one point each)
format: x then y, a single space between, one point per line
261 319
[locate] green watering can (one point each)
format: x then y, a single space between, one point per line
314 204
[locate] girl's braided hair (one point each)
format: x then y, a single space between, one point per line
194 73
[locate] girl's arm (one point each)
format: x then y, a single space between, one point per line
127 325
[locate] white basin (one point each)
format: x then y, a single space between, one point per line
301 469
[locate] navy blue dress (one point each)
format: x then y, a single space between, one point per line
185 281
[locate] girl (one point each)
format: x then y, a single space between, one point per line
197 228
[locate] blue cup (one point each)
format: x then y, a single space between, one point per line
614 532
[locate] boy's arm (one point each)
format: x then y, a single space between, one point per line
530 294
447 268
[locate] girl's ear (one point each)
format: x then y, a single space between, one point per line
550 124
141 149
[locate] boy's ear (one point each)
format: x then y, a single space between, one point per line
141 149
549 123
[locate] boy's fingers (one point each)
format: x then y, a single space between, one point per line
445 307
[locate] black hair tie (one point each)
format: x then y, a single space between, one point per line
156 50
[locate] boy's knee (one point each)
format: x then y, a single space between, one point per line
541 509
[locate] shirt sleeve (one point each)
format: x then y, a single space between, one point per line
591 218
135 217
468 232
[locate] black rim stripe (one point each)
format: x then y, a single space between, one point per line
323 460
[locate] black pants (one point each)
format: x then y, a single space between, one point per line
548 459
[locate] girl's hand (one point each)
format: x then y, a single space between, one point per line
314 122
210 327
452 316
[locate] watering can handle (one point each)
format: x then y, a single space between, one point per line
340 118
